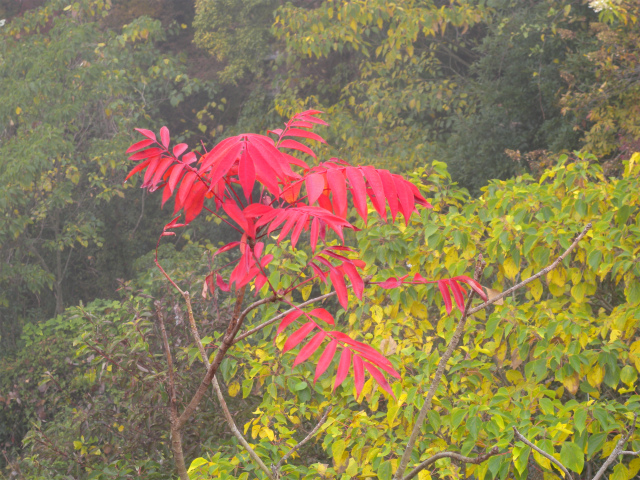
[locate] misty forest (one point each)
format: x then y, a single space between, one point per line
319 239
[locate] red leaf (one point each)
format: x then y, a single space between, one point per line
358 374
162 167
309 348
137 168
325 359
153 164
149 152
407 204
297 336
343 367
458 294
180 149
164 136
176 174
288 320
315 187
314 234
195 202
288 143
225 287
443 285
139 145
247 174
296 132
236 215
322 314
293 216
147 133
473 284
390 192
338 187
356 281
302 223
359 191
377 198
185 187
379 377
340 287
226 248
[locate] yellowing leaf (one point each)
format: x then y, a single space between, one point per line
491 293
338 449
535 288
376 313
557 276
595 376
571 383
234 388
18 111
510 268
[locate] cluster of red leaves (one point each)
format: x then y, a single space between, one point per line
290 198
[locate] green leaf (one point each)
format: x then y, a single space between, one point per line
337 449
521 457
434 420
384 470
580 420
572 457
628 375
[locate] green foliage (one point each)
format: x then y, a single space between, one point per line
559 360
70 92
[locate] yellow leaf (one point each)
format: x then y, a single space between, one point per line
424 475
557 276
354 25
510 269
18 111
572 383
410 50
306 291
595 376
380 117
535 288
376 313
234 388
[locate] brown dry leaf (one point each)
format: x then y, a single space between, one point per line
388 346
491 294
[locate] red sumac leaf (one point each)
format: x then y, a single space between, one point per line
137 168
458 294
297 336
343 367
340 287
222 285
379 377
358 374
288 320
356 280
315 187
443 285
359 191
296 132
309 348
180 149
325 359
139 145
338 187
473 284
322 314
164 136
147 133
288 143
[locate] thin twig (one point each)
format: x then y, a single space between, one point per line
276 468
618 450
176 437
522 438
406 456
456 456
542 272
218 391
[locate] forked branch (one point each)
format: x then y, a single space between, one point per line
456 456
406 457
520 437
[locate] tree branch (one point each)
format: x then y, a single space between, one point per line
456 456
544 271
176 438
276 468
618 450
522 438
218 391
406 456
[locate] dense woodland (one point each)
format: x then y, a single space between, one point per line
518 120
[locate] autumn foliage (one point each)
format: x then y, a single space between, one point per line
256 185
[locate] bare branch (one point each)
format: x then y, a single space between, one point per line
176 438
522 438
218 391
406 456
456 456
282 315
617 451
276 468
542 272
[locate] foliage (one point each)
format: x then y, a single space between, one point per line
70 92
603 91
